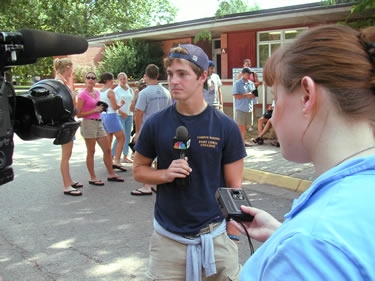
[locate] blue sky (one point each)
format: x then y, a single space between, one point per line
196 9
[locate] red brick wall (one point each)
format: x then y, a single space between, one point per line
167 45
92 56
94 53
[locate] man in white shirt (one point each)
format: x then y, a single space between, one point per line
212 92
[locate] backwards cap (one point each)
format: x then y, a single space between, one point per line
195 55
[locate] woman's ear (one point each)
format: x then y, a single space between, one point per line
309 94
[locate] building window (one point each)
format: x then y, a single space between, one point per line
269 41
216 54
217 43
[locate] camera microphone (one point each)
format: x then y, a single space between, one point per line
181 143
26 45
38 43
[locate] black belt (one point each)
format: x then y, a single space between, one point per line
95 119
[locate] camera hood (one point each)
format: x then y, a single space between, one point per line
45 110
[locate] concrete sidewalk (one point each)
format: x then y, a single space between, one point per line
264 164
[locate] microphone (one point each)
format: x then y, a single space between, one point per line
38 43
26 45
181 143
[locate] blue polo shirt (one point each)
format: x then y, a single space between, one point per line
242 87
329 232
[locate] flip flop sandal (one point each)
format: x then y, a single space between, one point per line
139 192
73 192
77 185
97 182
118 167
117 179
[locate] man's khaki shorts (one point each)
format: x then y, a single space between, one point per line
168 259
242 118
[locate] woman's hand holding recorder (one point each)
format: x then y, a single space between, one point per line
261 227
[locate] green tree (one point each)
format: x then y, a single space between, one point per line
79 17
234 7
226 8
360 7
84 17
131 57
363 7
23 74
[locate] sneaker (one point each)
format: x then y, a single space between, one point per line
251 129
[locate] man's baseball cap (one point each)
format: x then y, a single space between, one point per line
246 70
211 63
195 55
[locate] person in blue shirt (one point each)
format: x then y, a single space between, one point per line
324 88
243 101
191 239
152 99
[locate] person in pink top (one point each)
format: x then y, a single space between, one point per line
92 129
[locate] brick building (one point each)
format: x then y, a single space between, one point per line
253 35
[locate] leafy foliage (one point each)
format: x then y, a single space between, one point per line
131 57
359 7
234 7
84 17
203 35
226 8
79 17
24 74
80 72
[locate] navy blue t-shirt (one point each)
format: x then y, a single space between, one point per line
215 141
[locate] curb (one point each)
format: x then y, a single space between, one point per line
294 184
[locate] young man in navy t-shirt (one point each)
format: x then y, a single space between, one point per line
191 240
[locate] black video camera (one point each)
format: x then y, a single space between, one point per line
230 201
46 110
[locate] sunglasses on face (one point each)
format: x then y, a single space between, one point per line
91 78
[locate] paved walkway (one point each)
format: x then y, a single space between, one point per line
264 164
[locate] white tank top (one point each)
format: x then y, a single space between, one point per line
104 97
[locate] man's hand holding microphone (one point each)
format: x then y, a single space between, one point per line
179 169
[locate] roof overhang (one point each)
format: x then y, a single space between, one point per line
299 15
